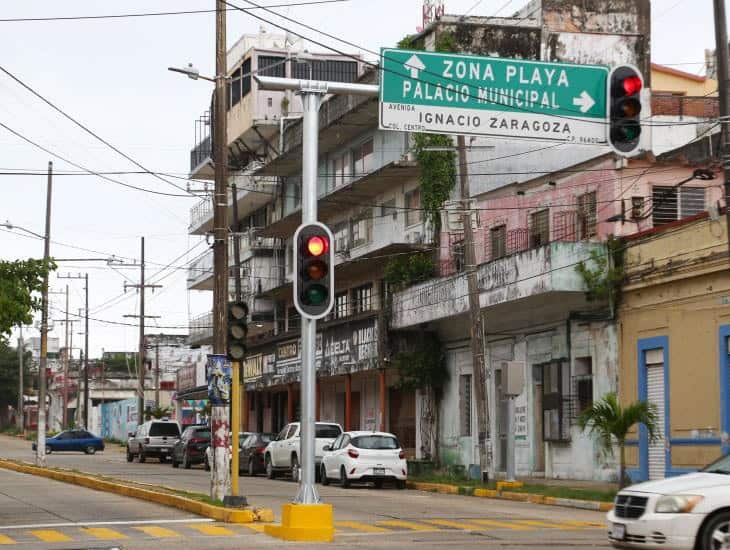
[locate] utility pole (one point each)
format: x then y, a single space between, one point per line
68 324
85 358
140 358
723 74
476 318
157 375
21 399
220 414
41 434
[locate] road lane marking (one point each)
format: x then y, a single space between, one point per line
362 527
546 524
455 524
504 525
103 533
408 525
50 535
98 523
258 527
158 532
4 539
214 530
587 524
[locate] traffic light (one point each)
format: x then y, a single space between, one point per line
625 84
237 330
314 263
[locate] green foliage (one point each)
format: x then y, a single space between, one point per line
404 271
9 376
406 43
424 368
438 174
156 412
21 284
446 42
604 279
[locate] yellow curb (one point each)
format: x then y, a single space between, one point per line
502 485
520 497
605 506
485 493
437 488
536 499
227 515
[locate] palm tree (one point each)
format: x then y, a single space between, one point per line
607 420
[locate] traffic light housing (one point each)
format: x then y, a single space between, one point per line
625 85
237 330
314 289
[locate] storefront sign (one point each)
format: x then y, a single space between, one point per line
253 367
186 378
218 370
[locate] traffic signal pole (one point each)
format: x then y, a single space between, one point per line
723 84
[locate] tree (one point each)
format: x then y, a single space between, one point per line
607 420
21 284
156 412
9 378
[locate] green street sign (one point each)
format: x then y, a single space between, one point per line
467 94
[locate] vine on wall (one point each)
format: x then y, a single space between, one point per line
604 279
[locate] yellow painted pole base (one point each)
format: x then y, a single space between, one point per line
304 522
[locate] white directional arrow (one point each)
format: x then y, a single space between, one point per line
584 101
414 64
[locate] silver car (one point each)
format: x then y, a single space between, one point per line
154 438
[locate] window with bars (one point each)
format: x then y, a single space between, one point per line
329 70
555 401
388 208
341 305
235 87
341 235
498 241
587 215
270 65
362 158
362 229
465 404
637 207
245 78
362 298
583 383
340 170
414 214
539 228
674 203
458 253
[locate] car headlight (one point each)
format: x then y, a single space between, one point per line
677 504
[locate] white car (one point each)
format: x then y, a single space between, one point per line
364 457
685 512
282 454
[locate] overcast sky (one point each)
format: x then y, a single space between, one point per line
111 75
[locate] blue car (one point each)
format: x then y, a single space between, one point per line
74 440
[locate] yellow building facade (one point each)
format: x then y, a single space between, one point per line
672 81
674 325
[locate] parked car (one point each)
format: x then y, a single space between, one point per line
282 454
190 448
154 438
251 455
74 440
364 457
209 451
685 512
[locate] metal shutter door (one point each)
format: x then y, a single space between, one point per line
655 394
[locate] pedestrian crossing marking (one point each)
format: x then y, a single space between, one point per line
455 524
587 524
361 527
502 524
214 530
50 535
4 539
546 524
258 527
158 532
407 525
103 533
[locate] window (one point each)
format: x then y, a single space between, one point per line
327 70
362 229
362 158
637 207
376 442
245 78
169 429
341 236
583 383
498 240
292 431
458 253
272 66
414 214
539 228
327 431
674 203
341 305
336 444
556 382
465 404
340 173
362 298
388 208
587 215
293 318
235 87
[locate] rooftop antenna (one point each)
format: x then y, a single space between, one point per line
432 10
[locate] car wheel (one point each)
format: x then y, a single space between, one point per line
251 467
130 456
90 450
163 459
344 481
270 472
49 450
141 456
715 533
323 475
186 461
294 468
401 484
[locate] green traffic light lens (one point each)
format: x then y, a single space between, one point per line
314 295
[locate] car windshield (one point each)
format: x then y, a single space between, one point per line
327 431
376 442
266 438
721 466
202 433
168 429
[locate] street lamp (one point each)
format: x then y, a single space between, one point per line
191 72
10 227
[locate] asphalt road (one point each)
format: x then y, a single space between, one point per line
365 517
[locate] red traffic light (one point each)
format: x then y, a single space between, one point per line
317 245
631 85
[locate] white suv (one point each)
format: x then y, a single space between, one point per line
686 512
282 454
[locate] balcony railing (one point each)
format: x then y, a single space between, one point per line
200 269
201 328
200 212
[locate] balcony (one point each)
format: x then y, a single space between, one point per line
540 283
201 330
200 272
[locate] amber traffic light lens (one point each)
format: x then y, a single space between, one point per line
632 85
238 332
316 246
316 270
630 108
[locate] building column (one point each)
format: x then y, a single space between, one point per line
348 402
289 403
382 388
318 404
